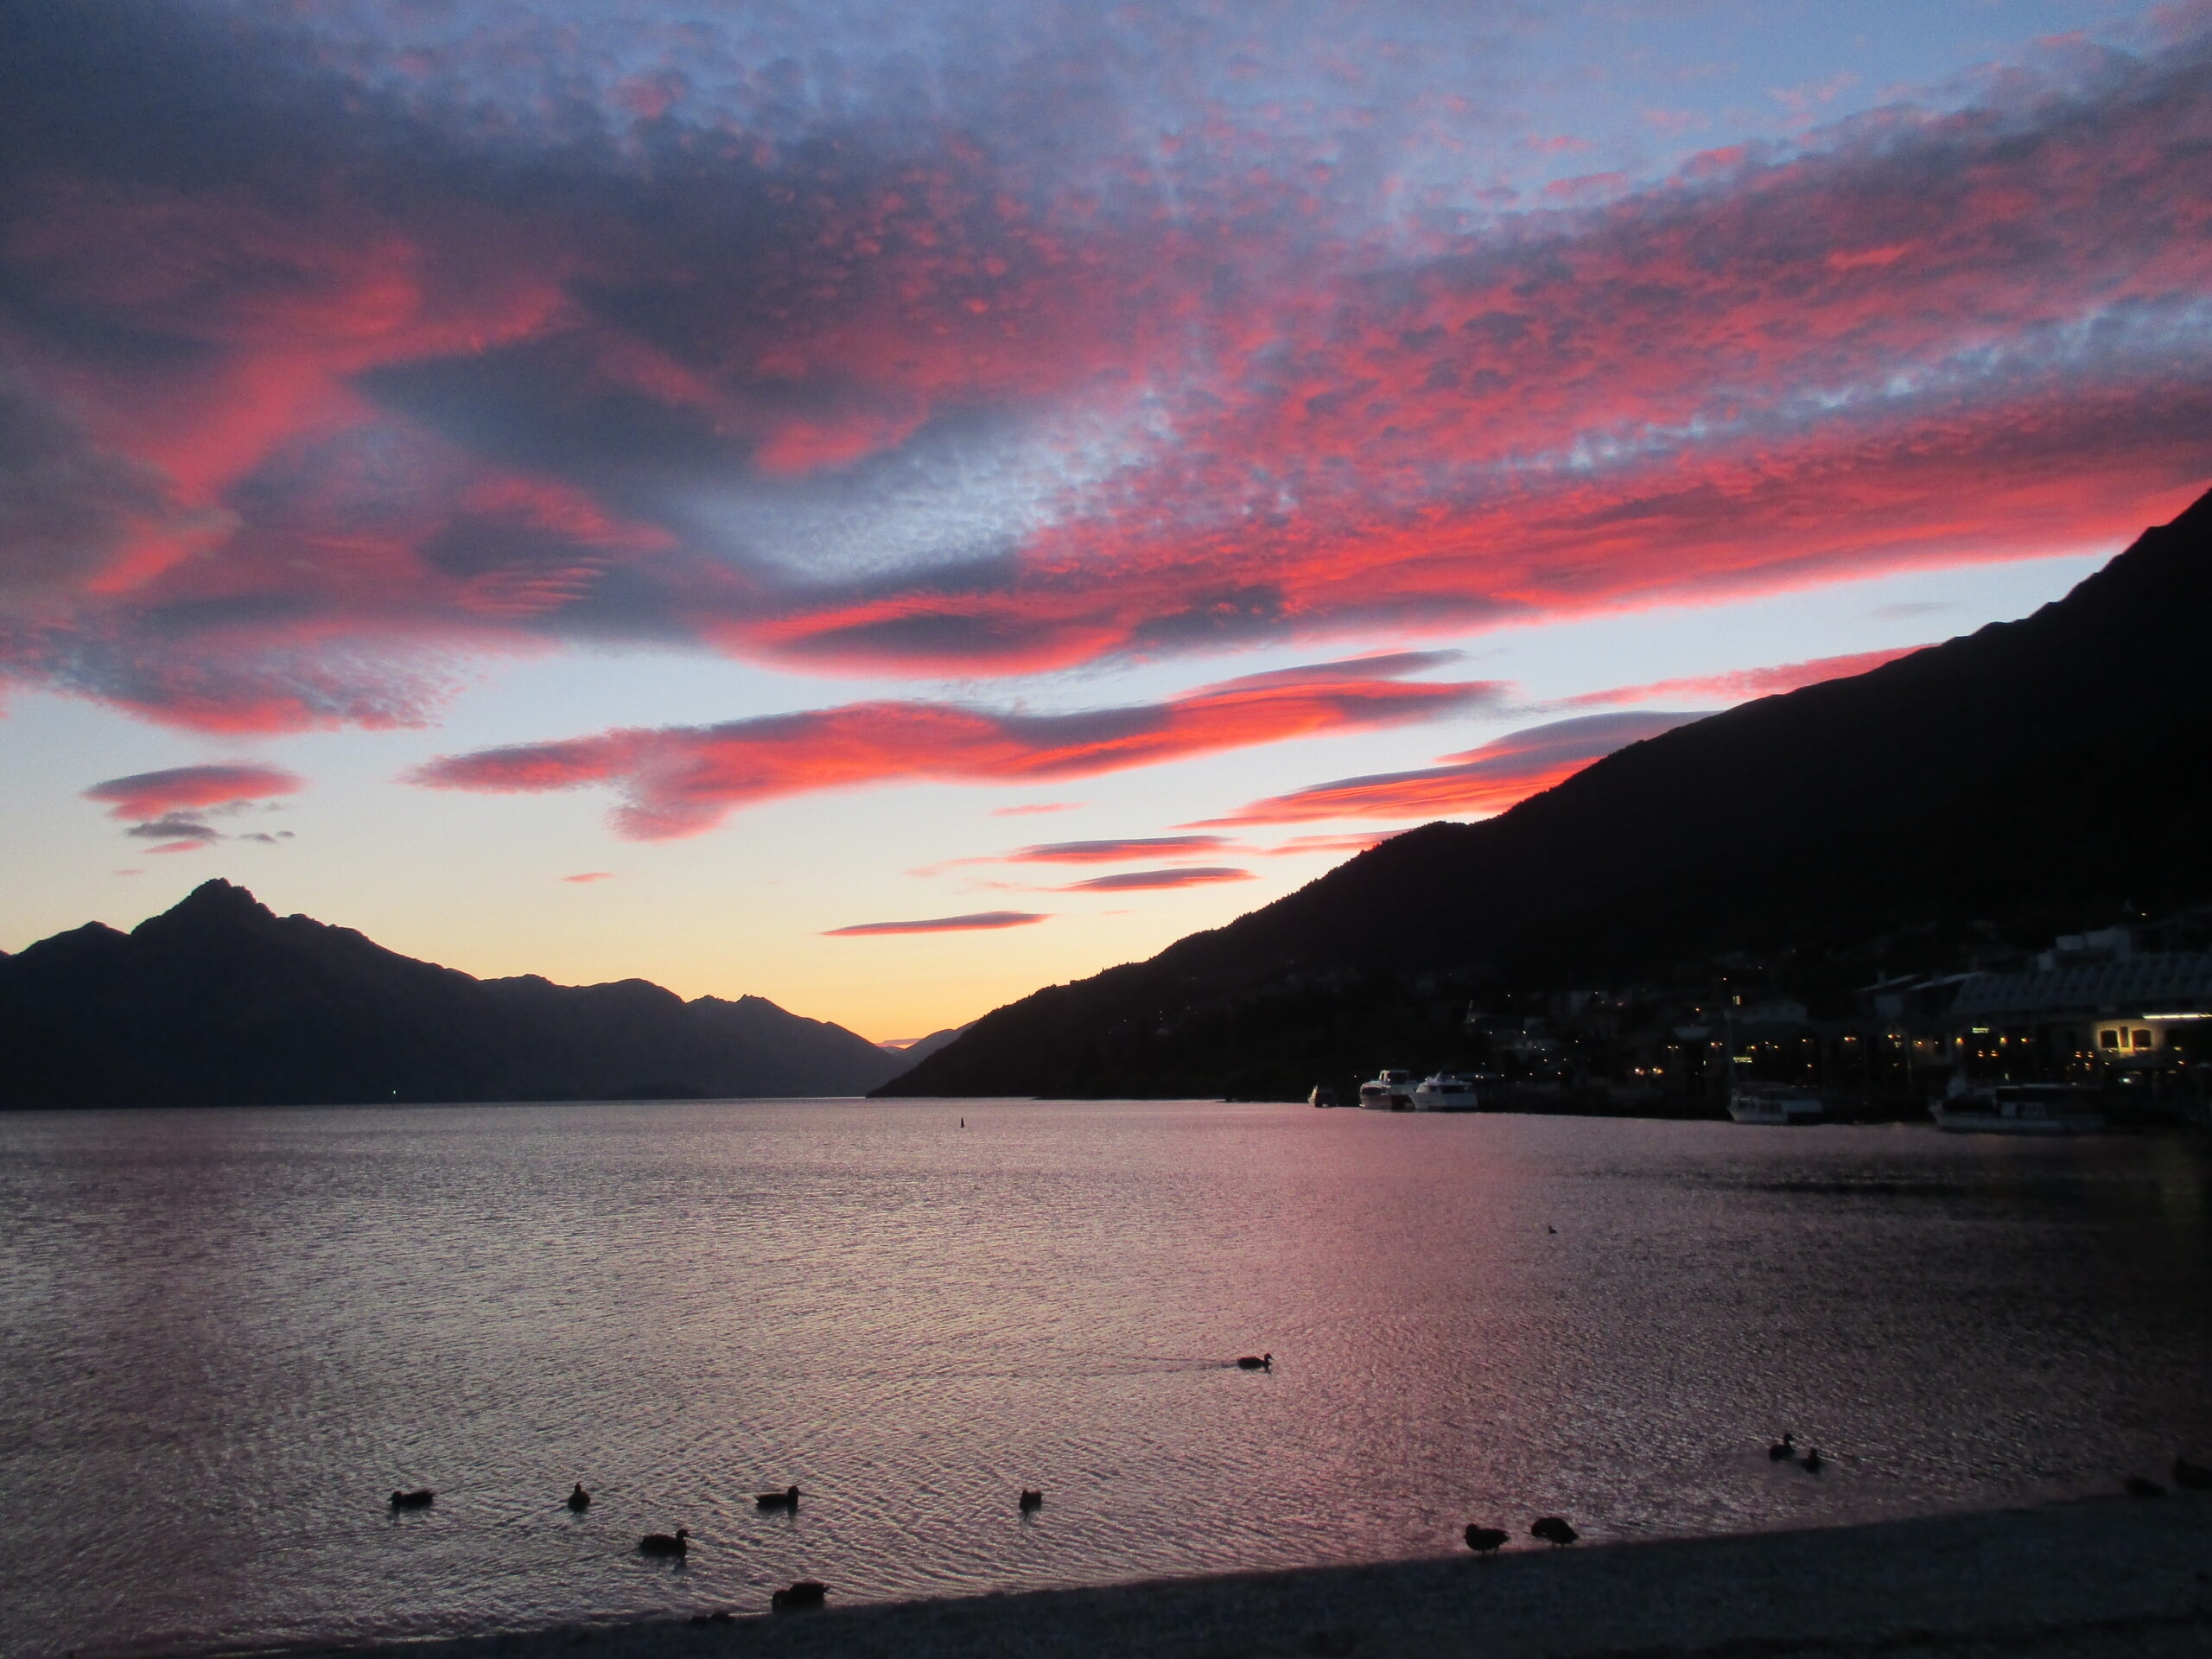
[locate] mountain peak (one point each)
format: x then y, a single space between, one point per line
213 902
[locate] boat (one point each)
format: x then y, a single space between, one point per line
1445 1091
1389 1091
1323 1096
1756 1102
2020 1109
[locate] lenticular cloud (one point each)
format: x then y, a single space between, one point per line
680 780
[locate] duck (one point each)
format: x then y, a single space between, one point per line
1257 1363
1555 1531
421 1498
1032 1500
1783 1450
664 1543
579 1499
1815 1462
2138 1487
786 1499
1487 1540
807 1592
2192 1476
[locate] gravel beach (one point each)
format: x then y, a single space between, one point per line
2094 1580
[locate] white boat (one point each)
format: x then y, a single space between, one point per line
1389 1091
2020 1109
1445 1091
1753 1103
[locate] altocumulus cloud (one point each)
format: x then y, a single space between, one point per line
680 780
981 920
342 347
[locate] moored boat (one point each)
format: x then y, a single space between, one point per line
1445 1091
1388 1092
1754 1102
2020 1109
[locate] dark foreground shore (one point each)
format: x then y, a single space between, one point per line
2118 1578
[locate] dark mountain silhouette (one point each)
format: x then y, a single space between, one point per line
220 1001
2054 768
922 1048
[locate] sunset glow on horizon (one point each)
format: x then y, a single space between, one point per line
611 489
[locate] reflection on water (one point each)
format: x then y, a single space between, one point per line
229 1335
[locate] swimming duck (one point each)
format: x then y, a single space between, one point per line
1783 1450
1555 1531
786 1499
663 1543
1257 1363
1032 1499
579 1499
421 1498
807 1592
1487 1540
1815 1462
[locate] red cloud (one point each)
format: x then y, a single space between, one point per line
151 794
1114 851
1747 682
681 781
1150 881
411 384
1488 779
980 919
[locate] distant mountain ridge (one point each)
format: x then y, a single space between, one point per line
2050 768
219 1001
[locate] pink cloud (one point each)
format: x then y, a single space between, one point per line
591 875
1153 881
294 448
1034 808
981 920
151 794
1114 850
1748 683
1483 780
683 780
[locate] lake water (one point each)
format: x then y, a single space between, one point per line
228 1335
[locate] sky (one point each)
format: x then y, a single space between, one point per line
884 507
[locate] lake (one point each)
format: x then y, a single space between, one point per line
230 1334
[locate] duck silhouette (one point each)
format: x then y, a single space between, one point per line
1032 1500
786 1499
1815 1462
665 1543
421 1498
1555 1531
807 1592
1257 1363
1487 1540
579 1499
1783 1450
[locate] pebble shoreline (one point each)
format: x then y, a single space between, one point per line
2103 1579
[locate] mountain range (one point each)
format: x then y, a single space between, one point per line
2033 774
219 1001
